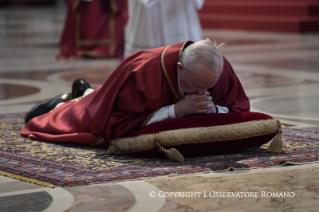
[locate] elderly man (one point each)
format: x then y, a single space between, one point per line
169 82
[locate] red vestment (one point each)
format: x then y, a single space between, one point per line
93 29
143 83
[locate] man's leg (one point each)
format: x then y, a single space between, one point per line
79 87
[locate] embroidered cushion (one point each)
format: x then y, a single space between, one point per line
200 134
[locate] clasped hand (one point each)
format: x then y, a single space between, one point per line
194 104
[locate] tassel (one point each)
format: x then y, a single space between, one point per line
276 143
172 153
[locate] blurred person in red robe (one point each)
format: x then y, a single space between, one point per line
93 28
168 82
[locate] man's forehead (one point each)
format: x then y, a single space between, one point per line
205 77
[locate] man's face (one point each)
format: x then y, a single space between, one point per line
197 81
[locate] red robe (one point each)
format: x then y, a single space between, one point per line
143 83
93 29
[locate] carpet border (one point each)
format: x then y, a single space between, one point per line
197 173
26 179
49 185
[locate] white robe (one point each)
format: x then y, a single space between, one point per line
155 23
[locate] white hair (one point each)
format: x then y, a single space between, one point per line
202 52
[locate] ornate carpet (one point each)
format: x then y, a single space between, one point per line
51 164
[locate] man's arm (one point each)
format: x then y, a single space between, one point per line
202 106
164 113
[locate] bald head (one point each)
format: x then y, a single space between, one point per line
205 52
199 67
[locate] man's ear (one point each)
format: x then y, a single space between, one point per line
180 67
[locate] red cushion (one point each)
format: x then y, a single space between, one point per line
230 122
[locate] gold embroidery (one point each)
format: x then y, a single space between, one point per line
98 142
181 50
113 6
166 75
197 135
26 179
94 42
77 29
77 99
90 53
76 5
148 118
112 32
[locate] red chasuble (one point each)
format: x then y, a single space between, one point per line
93 29
143 83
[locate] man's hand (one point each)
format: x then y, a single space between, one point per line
194 104
204 104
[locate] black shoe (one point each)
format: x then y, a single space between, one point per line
46 106
79 86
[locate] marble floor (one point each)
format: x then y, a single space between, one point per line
280 73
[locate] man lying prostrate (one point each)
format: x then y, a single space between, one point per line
169 82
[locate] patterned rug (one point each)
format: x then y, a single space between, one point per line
50 164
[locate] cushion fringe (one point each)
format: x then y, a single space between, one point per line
276 143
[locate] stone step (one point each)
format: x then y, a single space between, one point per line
261 8
261 23
296 16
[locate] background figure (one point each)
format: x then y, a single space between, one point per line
155 23
93 28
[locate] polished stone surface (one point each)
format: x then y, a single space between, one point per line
14 185
281 190
32 202
280 73
101 198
